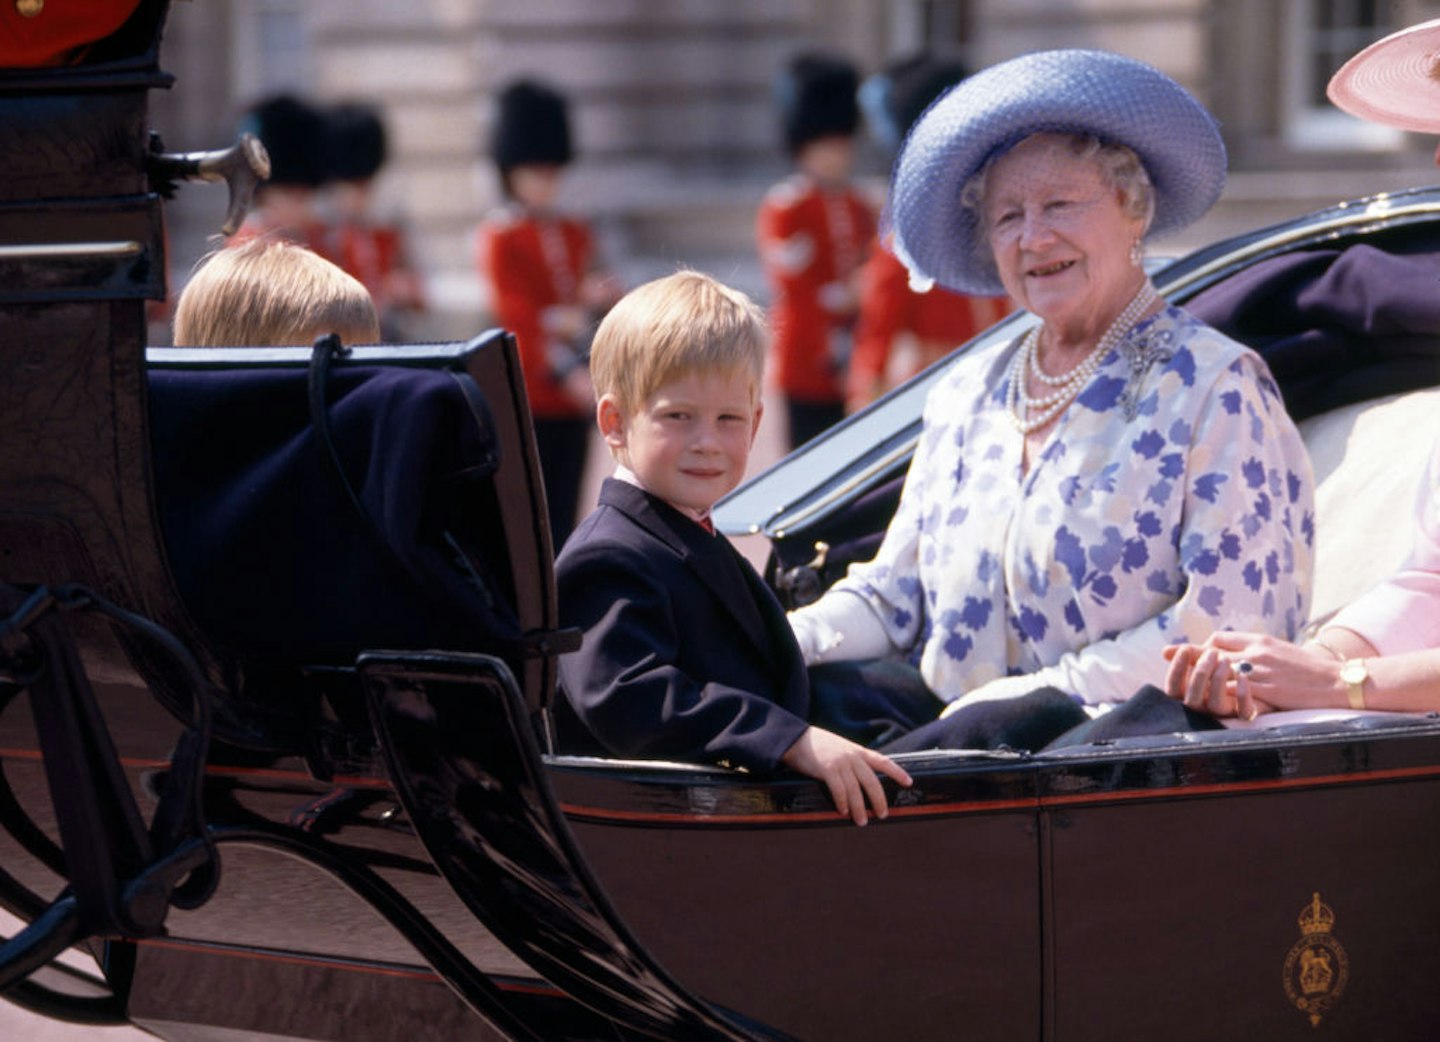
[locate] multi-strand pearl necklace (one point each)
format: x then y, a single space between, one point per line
1029 414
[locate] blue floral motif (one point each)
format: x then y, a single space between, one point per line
958 646
1180 433
1183 366
1148 525
1172 465
976 613
1032 624
1252 575
1105 480
958 515
1070 488
1211 600
1103 588
1073 615
1206 562
1253 471
1230 402
1137 555
1148 444
1207 486
1102 393
1069 553
1106 555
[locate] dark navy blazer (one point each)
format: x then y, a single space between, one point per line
686 655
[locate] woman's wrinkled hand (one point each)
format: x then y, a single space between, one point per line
848 771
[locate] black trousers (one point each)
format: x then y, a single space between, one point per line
807 419
562 445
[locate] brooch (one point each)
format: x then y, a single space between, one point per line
1140 354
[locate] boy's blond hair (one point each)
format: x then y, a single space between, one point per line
268 292
674 326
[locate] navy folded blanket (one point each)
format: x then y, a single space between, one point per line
272 558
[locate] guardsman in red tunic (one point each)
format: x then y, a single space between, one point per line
545 286
371 248
814 231
902 331
293 133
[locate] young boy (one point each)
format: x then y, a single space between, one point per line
687 655
271 293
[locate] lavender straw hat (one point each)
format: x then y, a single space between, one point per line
1116 99
1395 81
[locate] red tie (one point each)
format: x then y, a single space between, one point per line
707 524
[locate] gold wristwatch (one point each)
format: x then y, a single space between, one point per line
1354 674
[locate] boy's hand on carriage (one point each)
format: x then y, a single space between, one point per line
848 771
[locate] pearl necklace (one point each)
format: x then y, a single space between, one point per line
1030 414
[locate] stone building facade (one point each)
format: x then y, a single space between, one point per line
673 110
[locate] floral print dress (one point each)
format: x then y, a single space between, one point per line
1172 498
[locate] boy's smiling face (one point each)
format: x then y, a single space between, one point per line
689 441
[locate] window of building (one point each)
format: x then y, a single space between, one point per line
1321 35
271 48
917 24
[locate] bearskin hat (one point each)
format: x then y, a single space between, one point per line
532 126
357 141
816 94
897 96
293 132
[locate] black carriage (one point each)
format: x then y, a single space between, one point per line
275 756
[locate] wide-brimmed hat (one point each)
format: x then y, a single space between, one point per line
1114 98
1395 81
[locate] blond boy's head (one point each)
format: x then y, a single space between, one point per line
268 292
673 327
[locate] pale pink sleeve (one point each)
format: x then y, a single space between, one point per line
1402 613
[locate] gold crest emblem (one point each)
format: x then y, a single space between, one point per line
1317 968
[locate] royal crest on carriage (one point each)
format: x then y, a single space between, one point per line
1317 968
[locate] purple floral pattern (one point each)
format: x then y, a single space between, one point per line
1173 498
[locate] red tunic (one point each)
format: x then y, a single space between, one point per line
532 264
939 320
314 236
376 255
812 242
57 33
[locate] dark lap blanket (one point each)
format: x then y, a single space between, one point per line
271 555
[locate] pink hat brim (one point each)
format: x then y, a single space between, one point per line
1394 81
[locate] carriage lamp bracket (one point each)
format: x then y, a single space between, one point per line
242 166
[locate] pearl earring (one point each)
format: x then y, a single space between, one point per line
1137 255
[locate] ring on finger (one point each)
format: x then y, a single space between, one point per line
1244 667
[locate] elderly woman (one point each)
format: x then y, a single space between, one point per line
1381 652
1120 477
